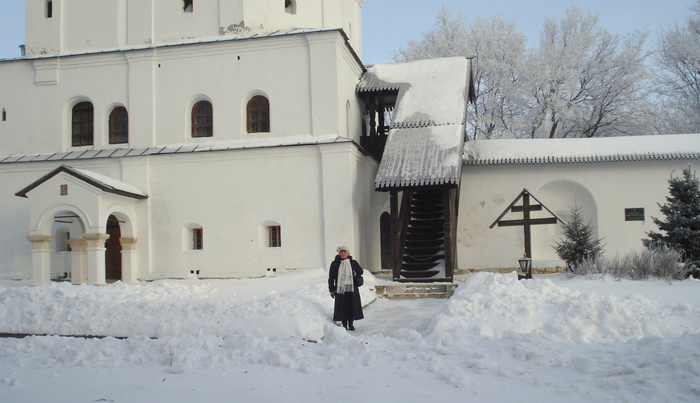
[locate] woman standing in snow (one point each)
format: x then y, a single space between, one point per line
342 284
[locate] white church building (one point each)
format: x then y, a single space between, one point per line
152 139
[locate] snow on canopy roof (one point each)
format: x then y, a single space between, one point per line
102 182
425 140
605 149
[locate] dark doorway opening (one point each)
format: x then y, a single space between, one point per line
385 240
113 254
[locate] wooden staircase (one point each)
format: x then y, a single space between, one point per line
424 248
423 235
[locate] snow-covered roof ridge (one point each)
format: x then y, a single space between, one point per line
581 150
221 145
429 90
229 37
426 135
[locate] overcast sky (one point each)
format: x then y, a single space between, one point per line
389 24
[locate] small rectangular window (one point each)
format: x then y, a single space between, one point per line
275 236
187 6
634 214
49 9
64 190
197 239
4 115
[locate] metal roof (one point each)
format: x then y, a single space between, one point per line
582 160
104 183
212 146
582 150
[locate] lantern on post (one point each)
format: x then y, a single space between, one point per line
526 266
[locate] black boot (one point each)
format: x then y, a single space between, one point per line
350 326
345 324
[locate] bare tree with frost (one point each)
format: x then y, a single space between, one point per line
584 81
677 73
498 49
580 81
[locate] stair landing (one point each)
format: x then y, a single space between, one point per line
415 291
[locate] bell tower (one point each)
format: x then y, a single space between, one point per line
61 27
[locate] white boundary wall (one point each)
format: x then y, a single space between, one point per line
602 189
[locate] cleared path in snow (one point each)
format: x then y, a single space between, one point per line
386 316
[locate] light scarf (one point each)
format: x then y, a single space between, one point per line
345 281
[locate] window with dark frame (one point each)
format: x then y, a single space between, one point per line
49 9
187 6
197 239
258 112
290 6
634 214
275 236
119 126
83 120
202 119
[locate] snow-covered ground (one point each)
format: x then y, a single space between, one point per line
497 339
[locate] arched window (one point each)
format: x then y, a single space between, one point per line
202 119
119 126
290 6
82 124
258 115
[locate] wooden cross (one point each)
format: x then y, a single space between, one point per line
526 222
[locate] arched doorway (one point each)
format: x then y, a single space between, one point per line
559 196
385 240
113 252
67 225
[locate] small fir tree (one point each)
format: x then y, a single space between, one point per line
578 243
682 212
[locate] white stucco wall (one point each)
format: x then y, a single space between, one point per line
79 26
318 194
486 191
309 80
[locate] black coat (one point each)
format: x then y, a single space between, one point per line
348 306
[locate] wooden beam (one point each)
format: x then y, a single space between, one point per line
532 221
519 209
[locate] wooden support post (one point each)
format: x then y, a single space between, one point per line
372 116
380 111
526 225
447 202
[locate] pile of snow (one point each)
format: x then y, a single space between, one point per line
500 306
497 339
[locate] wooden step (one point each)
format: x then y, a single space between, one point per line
423 273
415 291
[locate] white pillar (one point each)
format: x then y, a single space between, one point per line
129 260
96 258
41 258
78 272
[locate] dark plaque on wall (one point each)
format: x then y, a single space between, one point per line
634 214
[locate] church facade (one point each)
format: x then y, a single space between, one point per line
151 139
240 133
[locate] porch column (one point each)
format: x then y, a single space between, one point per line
96 258
78 272
41 258
129 260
